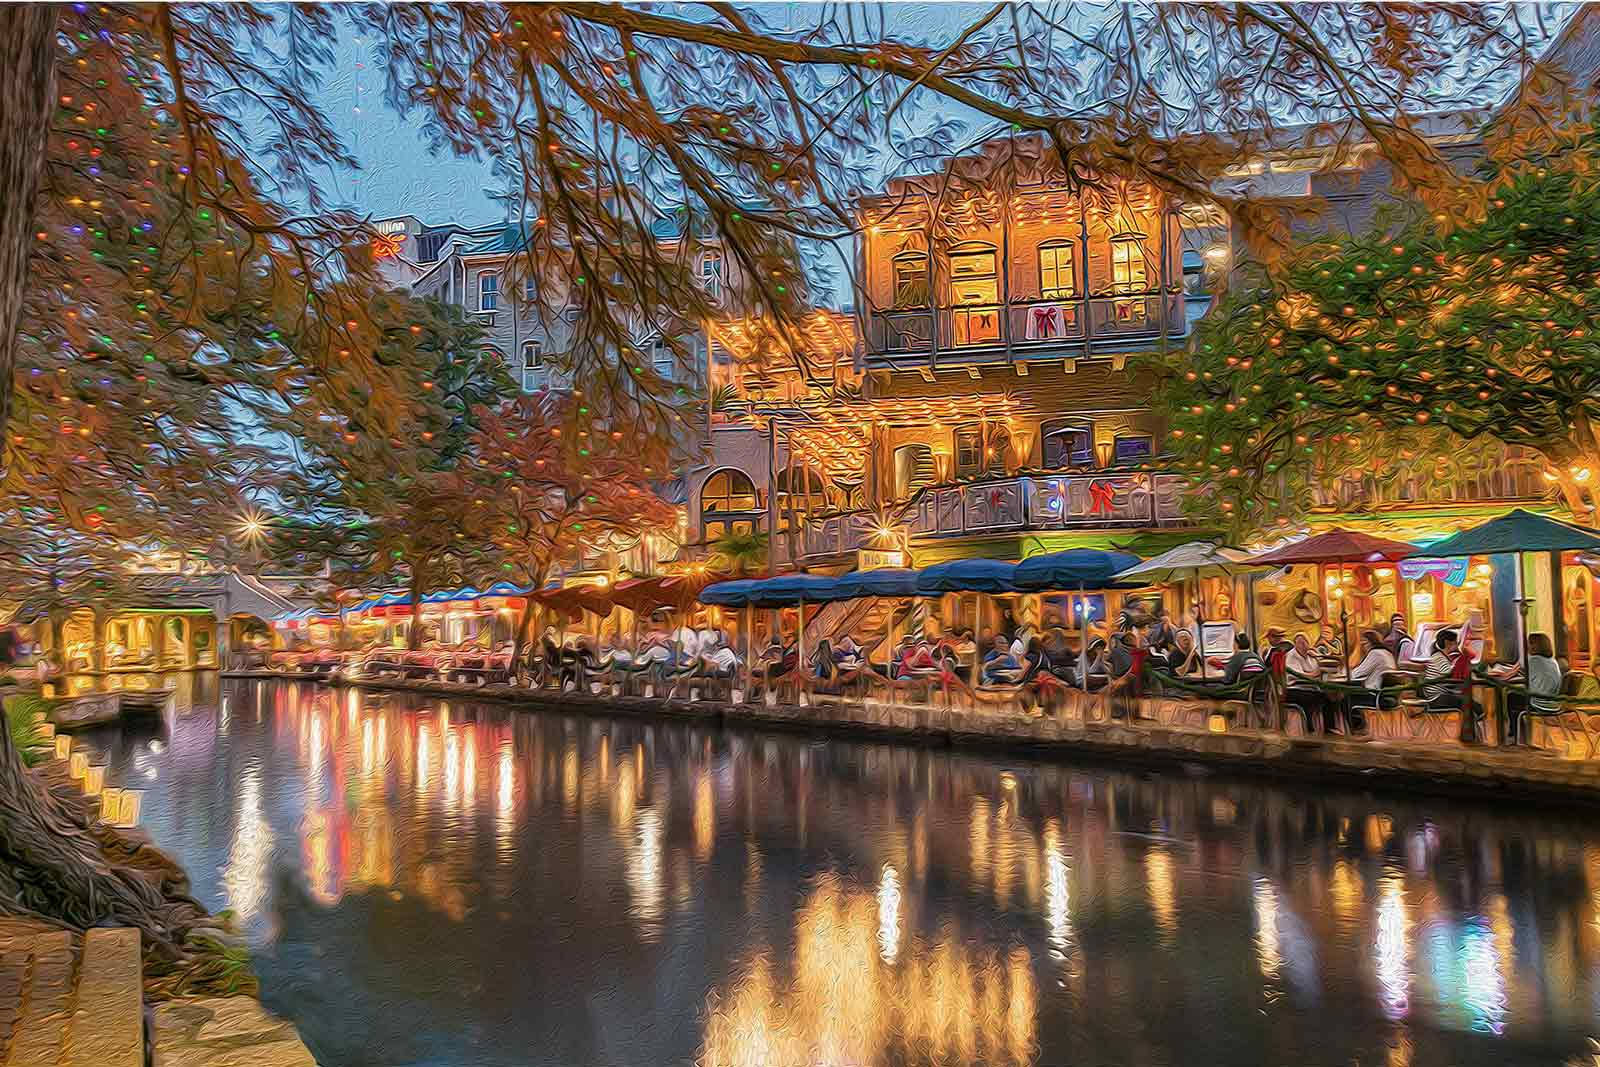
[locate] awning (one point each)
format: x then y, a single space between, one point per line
1075 568
887 581
1516 531
967 576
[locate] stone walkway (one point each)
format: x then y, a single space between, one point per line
70 1002
223 1032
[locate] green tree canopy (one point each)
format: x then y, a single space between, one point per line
1437 334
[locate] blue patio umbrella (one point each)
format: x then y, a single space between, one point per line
886 582
1075 568
967 576
734 594
789 589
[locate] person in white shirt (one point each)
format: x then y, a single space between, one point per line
1019 645
687 640
1375 663
1301 659
722 661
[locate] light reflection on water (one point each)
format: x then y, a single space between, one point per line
458 885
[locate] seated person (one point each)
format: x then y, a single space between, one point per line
1275 647
847 656
823 664
1444 689
1124 653
1545 680
721 661
1301 659
916 657
1000 667
1183 658
1376 661
1243 664
1094 664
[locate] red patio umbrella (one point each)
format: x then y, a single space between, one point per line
1338 547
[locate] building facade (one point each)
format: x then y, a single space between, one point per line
982 399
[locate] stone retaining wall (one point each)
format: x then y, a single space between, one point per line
1154 739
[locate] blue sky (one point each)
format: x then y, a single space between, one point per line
401 176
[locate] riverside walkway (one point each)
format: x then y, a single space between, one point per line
1153 731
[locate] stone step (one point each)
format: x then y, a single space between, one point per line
45 999
107 1023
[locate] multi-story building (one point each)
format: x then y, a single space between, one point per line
991 406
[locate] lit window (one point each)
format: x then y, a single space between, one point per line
488 290
969 452
1056 278
726 493
1127 263
911 280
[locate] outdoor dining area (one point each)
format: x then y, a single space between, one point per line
1484 637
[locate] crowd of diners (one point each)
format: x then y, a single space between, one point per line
1141 651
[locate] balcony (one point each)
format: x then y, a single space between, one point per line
1034 503
1033 329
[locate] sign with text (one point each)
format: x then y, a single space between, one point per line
875 559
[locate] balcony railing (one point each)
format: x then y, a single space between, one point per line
1033 502
1026 325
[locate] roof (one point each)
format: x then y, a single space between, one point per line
511 238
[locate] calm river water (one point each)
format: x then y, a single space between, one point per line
438 883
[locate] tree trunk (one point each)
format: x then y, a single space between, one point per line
27 93
519 644
414 634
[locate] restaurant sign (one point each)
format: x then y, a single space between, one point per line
1449 571
875 559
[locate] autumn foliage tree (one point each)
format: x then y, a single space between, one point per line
1428 336
542 494
382 506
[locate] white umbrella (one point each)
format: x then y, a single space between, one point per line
1193 560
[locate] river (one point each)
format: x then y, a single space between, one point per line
437 883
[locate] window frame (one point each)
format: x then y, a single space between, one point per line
735 492
537 347
1063 424
904 284
492 291
1127 253
1058 246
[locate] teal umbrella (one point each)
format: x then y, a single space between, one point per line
1517 532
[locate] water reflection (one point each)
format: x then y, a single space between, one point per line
486 888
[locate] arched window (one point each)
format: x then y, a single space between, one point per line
1057 278
910 279
488 290
1066 443
800 490
728 504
